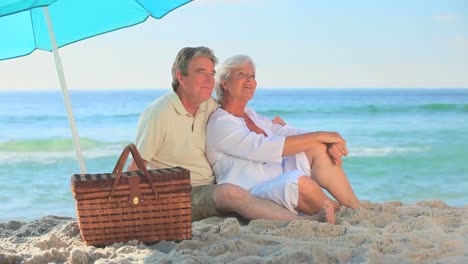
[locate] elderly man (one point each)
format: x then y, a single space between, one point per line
171 132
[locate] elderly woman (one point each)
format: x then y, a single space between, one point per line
272 161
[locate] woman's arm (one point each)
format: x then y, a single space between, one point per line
226 134
298 140
277 125
134 167
301 143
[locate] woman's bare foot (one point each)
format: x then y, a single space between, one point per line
326 214
329 207
336 205
358 205
318 217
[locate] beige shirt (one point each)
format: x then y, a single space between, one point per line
169 136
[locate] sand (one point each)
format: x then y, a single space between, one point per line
392 232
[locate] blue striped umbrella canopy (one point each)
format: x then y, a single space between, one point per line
27 25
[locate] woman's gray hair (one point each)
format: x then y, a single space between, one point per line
183 59
224 71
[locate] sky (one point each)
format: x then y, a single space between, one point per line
294 44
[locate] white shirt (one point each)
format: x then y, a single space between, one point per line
242 157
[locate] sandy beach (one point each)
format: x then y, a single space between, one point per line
392 232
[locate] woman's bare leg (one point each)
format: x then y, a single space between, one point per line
312 200
331 176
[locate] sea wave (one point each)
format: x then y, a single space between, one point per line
51 157
368 109
386 151
46 151
31 118
51 145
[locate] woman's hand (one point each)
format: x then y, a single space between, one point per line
301 143
336 151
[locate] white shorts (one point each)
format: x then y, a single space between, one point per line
283 189
297 162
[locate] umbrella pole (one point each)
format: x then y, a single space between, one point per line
66 98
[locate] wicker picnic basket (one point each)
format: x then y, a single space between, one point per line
144 205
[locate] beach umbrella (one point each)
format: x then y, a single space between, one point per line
27 25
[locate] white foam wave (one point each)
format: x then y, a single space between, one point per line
385 151
9 157
12 157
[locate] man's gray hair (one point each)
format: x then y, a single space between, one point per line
224 71
183 59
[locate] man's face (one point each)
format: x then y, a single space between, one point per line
199 83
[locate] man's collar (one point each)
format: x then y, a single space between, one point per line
180 109
178 106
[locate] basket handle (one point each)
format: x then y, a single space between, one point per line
118 169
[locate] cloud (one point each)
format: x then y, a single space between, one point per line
446 18
460 41
397 75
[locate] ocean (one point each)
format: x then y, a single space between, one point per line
404 144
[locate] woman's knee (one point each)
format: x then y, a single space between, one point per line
319 148
307 186
316 151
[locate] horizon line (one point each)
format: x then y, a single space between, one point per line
269 88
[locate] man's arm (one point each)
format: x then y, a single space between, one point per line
278 120
134 167
150 133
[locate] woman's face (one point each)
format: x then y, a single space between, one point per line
241 83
